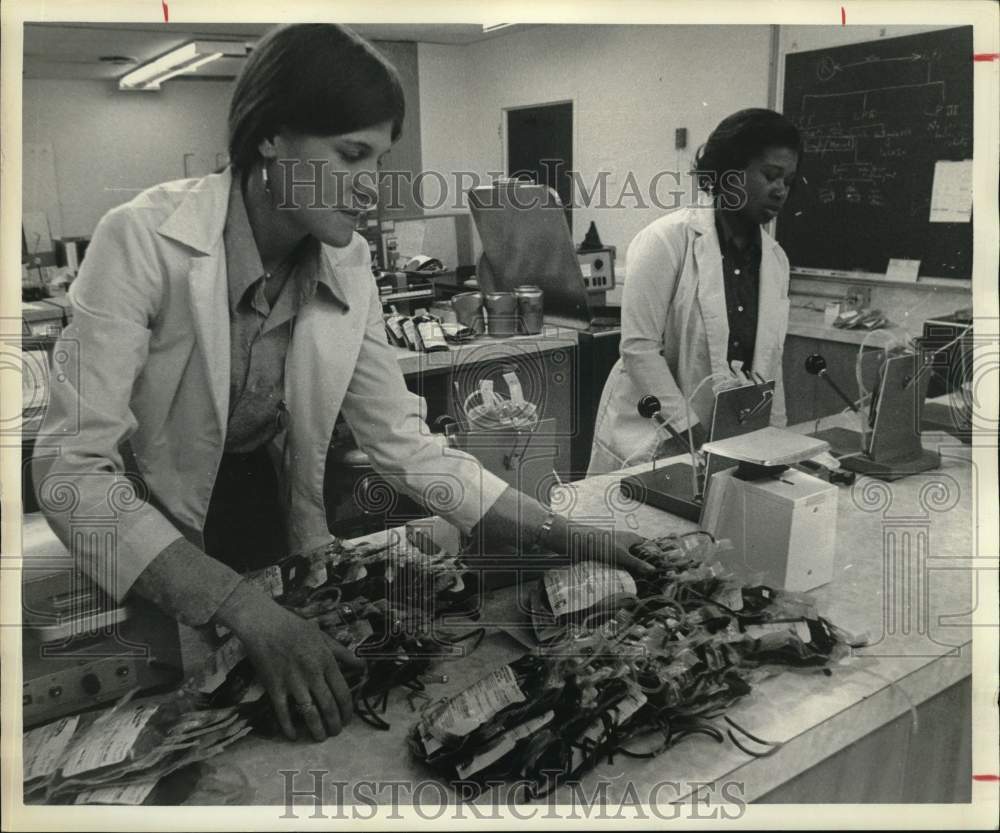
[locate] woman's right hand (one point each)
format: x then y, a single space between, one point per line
298 664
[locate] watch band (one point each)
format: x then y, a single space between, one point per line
544 529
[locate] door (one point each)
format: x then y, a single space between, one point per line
540 148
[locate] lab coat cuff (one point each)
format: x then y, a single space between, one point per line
147 536
473 503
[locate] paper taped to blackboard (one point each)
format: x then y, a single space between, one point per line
951 195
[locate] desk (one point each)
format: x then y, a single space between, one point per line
847 737
915 658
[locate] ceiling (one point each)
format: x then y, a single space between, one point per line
73 50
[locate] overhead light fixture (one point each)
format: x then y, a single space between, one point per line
492 27
186 58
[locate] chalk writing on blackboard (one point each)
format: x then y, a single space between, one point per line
875 119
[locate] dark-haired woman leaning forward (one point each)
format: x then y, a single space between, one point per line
221 326
705 287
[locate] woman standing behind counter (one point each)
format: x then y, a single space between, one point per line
706 286
221 325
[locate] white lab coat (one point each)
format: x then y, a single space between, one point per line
675 332
146 359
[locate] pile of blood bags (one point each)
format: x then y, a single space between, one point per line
625 666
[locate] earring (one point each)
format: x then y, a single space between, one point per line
264 178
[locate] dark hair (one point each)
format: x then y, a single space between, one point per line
740 138
317 79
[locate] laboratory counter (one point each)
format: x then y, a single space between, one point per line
890 724
808 323
485 348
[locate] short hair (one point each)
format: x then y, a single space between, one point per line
316 79
739 139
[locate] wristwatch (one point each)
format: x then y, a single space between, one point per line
537 546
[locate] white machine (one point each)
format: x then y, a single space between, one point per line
782 522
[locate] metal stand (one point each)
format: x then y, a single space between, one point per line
895 449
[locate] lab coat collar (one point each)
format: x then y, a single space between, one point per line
703 223
772 307
711 292
199 220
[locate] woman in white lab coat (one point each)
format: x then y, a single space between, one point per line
706 287
220 326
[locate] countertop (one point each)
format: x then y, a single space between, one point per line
486 348
919 530
808 323
919 646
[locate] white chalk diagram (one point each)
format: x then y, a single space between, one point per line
851 126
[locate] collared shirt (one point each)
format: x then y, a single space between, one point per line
741 272
261 330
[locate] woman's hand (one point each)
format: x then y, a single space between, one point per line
515 517
611 547
296 662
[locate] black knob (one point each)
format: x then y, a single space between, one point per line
445 421
598 263
815 364
91 684
122 671
55 691
648 406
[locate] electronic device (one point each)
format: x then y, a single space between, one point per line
782 522
81 650
679 488
783 526
598 268
889 447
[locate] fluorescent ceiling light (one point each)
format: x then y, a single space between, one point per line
186 58
492 27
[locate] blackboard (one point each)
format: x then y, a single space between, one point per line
876 118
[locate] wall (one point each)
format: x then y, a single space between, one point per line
108 145
406 153
631 87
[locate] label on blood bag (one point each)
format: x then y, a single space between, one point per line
479 703
109 740
129 794
583 585
44 746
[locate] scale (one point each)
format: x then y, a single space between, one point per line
781 523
